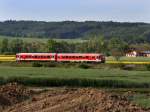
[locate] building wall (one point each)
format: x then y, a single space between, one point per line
132 54
135 54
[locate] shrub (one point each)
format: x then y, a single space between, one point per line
128 67
84 66
148 67
37 64
49 64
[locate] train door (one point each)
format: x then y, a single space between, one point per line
56 57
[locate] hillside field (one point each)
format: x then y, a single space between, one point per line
42 40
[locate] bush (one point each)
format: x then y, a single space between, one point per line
49 64
148 67
84 66
128 67
36 64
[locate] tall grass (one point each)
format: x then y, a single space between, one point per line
73 82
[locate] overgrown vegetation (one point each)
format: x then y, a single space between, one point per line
73 82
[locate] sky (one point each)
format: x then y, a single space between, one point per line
76 10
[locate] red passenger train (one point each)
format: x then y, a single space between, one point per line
61 57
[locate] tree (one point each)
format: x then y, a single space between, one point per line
16 45
4 46
117 47
51 45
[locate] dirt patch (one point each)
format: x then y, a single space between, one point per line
11 94
76 100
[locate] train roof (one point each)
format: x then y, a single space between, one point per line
68 54
82 54
36 53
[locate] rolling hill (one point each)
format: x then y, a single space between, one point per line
131 32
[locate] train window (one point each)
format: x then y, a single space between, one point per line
38 56
83 57
77 57
87 56
48 56
93 56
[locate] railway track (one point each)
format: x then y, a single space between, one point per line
11 58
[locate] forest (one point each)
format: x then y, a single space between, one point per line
129 32
109 38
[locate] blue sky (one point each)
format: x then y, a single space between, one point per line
76 10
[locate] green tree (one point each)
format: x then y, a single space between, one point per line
51 46
117 47
4 46
16 45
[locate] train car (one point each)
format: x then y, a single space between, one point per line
36 57
61 57
80 57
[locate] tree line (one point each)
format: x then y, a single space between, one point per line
114 46
128 32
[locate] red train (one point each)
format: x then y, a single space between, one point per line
61 57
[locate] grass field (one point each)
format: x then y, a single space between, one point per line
113 80
43 40
76 77
130 59
116 74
